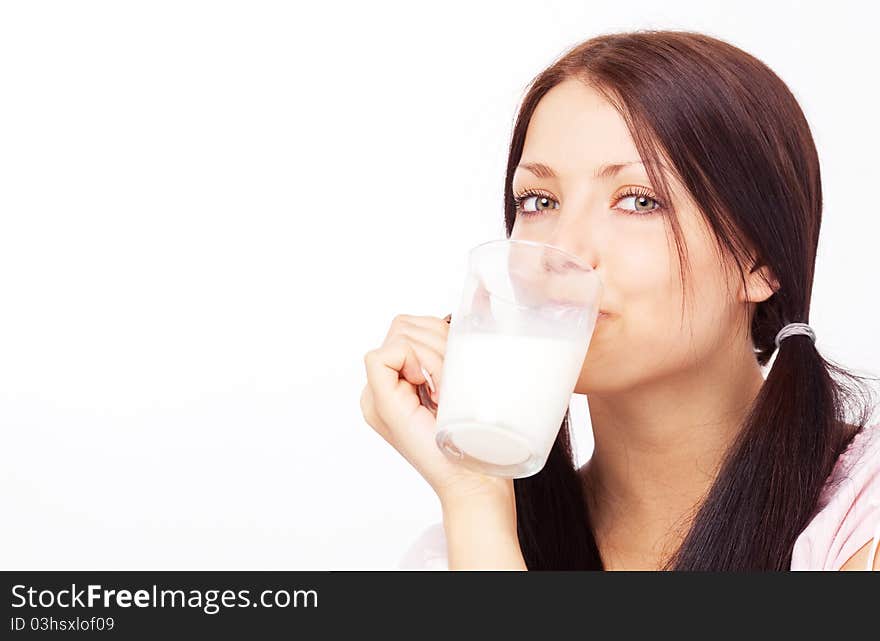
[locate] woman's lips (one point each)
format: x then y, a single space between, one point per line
560 302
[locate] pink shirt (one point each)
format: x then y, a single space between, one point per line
848 513
846 517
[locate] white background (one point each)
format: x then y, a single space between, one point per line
212 210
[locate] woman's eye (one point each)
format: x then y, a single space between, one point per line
640 204
531 204
537 203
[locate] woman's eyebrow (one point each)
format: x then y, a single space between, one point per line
604 171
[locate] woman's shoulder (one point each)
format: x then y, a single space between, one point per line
847 514
427 551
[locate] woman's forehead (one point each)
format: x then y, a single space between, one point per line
575 129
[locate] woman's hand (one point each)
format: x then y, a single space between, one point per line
391 405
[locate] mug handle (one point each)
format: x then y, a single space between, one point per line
422 389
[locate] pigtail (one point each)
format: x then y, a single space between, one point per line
770 481
553 524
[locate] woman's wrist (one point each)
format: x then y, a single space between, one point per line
481 532
478 491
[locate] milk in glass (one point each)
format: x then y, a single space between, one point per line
503 396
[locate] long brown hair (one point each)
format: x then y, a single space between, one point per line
741 145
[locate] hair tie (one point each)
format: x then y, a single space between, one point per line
793 329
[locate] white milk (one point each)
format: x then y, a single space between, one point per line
502 397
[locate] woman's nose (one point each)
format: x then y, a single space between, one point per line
577 240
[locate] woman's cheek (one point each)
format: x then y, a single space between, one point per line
641 270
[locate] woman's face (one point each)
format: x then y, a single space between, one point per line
614 224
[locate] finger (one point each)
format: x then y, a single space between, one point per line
431 361
400 361
388 367
428 321
430 337
426 358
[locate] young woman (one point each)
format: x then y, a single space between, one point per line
699 462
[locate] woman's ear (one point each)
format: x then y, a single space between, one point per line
760 284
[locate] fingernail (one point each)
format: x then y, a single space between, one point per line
448 318
428 379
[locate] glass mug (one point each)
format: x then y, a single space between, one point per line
514 352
